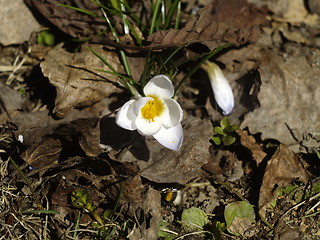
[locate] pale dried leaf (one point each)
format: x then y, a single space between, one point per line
75 78
289 99
291 11
181 166
282 169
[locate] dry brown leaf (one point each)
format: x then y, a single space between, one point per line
181 166
249 142
81 134
132 189
292 11
75 78
45 153
11 103
283 168
232 21
69 21
289 98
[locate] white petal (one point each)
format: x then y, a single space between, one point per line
139 103
171 138
224 97
172 114
125 117
160 86
221 88
146 127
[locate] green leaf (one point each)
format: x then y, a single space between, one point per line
40 39
224 123
162 226
216 139
79 10
218 130
49 39
234 128
228 140
40 212
241 210
194 218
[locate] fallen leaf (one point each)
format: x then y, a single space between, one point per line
181 166
79 136
70 21
232 21
11 103
76 81
249 142
239 217
283 168
289 99
133 189
45 153
194 218
291 11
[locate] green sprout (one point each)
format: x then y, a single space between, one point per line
45 38
80 199
224 134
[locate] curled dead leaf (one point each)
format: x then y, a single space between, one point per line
249 142
76 81
281 170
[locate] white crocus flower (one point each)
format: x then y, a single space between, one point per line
156 114
221 88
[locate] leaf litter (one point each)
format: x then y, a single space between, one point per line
273 75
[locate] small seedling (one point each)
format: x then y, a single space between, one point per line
45 38
224 134
239 216
194 218
80 199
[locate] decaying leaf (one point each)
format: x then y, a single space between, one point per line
239 217
133 188
76 81
69 21
232 21
11 102
181 166
281 170
291 11
289 99
80 135
45 153
249 142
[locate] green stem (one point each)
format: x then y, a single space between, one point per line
154 17
22 174
215 51
122 53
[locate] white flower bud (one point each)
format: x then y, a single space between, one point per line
221 88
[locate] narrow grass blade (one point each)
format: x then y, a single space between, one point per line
79 10
212 53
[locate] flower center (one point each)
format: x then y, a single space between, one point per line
152 109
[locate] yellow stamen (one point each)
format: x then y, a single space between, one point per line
152 109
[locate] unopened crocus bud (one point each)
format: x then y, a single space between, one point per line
221 88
